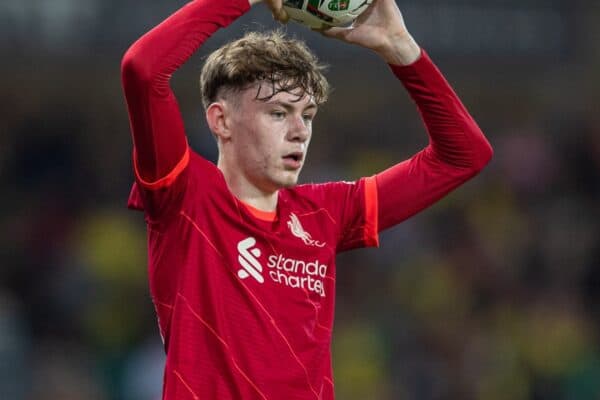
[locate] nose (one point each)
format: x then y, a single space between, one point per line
299 130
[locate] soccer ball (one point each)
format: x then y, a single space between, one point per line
324 13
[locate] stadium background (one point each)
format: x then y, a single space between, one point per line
494 293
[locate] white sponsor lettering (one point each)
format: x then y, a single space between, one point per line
298 273
286 271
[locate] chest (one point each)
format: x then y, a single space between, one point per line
289 259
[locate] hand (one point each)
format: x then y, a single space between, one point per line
276 7
380 28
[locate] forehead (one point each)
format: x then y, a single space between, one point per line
268 93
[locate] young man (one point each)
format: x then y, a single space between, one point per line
242 261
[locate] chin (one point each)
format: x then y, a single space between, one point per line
288 181
282 179
288 185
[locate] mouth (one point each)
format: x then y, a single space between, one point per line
293 160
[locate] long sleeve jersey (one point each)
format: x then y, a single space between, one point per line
245 299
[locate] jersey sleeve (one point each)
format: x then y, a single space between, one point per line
161 154
359 217
457 148
353 208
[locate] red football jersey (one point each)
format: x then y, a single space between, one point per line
245 299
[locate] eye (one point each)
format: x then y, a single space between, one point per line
277 114
308 117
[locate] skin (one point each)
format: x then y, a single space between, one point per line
256 138
380 28
262 144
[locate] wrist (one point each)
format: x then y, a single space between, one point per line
402 50
253 2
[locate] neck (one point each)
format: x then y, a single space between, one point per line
264 202
245 191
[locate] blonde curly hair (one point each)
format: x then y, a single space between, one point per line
286 64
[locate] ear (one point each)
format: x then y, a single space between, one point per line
218 121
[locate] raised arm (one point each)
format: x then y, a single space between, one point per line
160 145
457 148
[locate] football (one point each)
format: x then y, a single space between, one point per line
325 13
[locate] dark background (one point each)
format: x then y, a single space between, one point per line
494 293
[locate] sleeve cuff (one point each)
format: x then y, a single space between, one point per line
405 71
371 230
166 180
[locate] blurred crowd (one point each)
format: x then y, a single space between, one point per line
493 293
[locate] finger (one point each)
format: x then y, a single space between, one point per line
335 32
282 16
278 11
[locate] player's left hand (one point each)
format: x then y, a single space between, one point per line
380 28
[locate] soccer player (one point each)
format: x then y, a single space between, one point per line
241 260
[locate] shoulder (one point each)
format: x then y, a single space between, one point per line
200 164
318 195
322 190
205 181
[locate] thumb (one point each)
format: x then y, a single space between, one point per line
281 16
278 11
336 32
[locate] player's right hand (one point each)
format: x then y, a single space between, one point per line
276 7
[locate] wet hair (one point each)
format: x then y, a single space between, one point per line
271 58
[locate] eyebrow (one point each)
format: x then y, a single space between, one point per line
290 105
